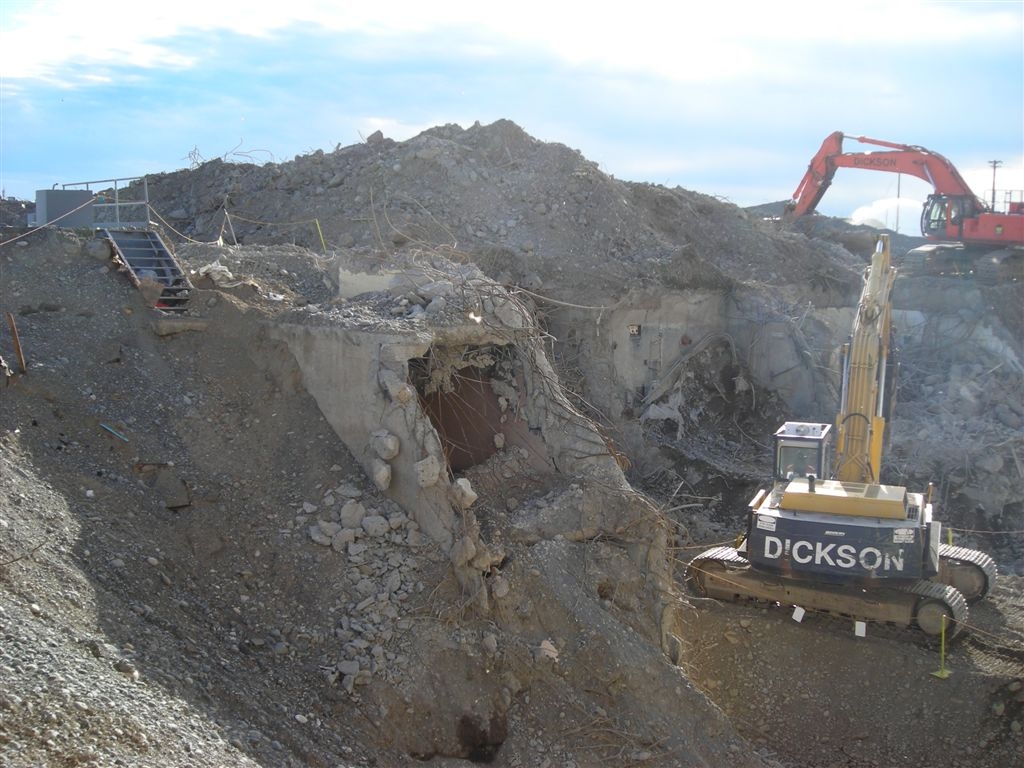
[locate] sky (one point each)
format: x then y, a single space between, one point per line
727 98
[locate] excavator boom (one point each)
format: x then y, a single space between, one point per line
900 158
868 376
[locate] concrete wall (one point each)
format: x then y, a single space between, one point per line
650 333
627 349
792 356
359 380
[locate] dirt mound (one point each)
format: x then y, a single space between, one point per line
516 206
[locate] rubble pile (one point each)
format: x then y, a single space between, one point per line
413 476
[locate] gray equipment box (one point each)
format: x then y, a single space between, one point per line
51 204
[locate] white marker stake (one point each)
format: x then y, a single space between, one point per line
860 629
798 613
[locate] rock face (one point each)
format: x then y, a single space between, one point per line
419 490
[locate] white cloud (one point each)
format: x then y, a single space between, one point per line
1009 179
649 92
689 43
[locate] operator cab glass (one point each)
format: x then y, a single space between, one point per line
798 461
802 449
941 212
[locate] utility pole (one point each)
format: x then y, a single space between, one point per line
995 164
899 178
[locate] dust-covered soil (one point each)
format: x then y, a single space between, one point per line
171 599
171 592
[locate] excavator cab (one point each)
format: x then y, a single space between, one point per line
943 216
802 449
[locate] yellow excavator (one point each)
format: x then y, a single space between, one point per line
827 535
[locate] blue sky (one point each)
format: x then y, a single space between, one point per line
730 98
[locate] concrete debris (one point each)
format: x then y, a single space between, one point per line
463 551
546 651
375 525
352 514
463 494
385 444
380 471
428 471
396 498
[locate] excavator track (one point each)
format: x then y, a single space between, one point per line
723 573
1000 267
934 261
971 572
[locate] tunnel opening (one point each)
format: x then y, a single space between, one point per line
479 740
475 397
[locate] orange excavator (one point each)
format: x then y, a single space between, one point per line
968 238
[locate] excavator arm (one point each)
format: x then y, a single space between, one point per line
898 158
966 236
868 376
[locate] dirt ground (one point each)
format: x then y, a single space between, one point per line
163 601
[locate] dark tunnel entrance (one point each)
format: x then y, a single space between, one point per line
473 396
467 419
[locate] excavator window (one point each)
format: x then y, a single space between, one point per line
933 219
941 212
797 462
954 211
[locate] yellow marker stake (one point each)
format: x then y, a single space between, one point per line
321 233
949 536
942 672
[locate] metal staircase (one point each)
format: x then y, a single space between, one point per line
150 266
